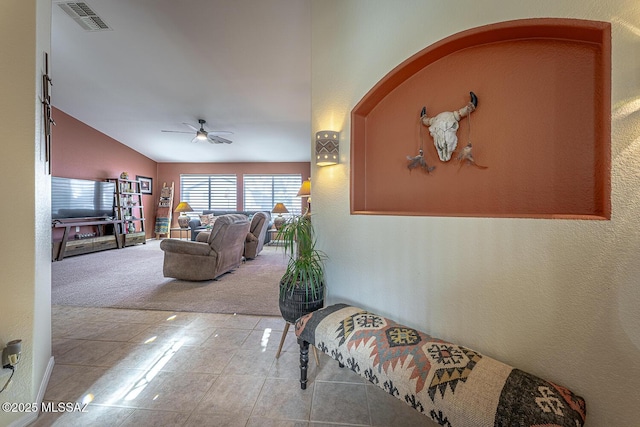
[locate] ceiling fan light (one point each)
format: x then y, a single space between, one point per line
201 135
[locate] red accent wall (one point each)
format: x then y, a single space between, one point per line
542 125
170 172
80 151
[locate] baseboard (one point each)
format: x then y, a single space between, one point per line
32 416
45 380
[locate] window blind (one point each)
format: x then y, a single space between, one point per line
208 192
262 192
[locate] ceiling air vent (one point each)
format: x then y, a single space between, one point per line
84 16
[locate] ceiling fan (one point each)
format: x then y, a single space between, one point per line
202 134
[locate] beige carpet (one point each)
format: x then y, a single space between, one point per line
132 278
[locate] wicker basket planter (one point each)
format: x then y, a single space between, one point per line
299 301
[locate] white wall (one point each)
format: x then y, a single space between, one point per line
557 298
25 273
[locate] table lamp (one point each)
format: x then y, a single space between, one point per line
305 191
183 219
279 208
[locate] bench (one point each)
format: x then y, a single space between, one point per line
453 385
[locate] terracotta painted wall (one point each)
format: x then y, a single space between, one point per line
79 151
170 172
545 154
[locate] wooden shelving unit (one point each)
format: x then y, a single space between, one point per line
126 229
129 211
163 212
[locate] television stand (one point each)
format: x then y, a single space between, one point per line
100 242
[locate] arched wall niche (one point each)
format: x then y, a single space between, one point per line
542 125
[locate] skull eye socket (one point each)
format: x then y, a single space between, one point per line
454 126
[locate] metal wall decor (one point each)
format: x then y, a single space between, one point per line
46 111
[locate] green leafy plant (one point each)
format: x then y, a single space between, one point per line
305 269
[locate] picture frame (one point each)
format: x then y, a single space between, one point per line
146 184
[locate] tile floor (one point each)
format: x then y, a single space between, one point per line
158 368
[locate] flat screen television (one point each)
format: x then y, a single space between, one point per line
81 198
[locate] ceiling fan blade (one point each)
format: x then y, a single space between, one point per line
191 126
212 136
219 132
218 140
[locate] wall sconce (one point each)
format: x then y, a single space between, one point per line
327 148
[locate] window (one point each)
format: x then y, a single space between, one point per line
262 192
208 192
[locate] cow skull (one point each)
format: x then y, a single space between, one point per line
444 126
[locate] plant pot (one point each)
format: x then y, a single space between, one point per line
300 301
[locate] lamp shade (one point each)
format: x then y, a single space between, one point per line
279 208
305 189
327 148
183 207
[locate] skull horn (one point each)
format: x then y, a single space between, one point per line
470 107
423 117
463 112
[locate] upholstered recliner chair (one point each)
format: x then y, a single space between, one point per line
255 238
197 226
214 254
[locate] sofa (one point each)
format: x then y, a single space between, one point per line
196 225
254 242
220 251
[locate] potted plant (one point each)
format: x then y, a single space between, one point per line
302 285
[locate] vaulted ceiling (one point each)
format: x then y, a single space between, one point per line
244 66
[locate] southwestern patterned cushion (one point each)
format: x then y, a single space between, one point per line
453 385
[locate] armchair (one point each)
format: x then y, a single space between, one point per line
255 238
205 260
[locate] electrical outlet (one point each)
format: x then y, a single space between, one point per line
11 353
77 229
10 358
